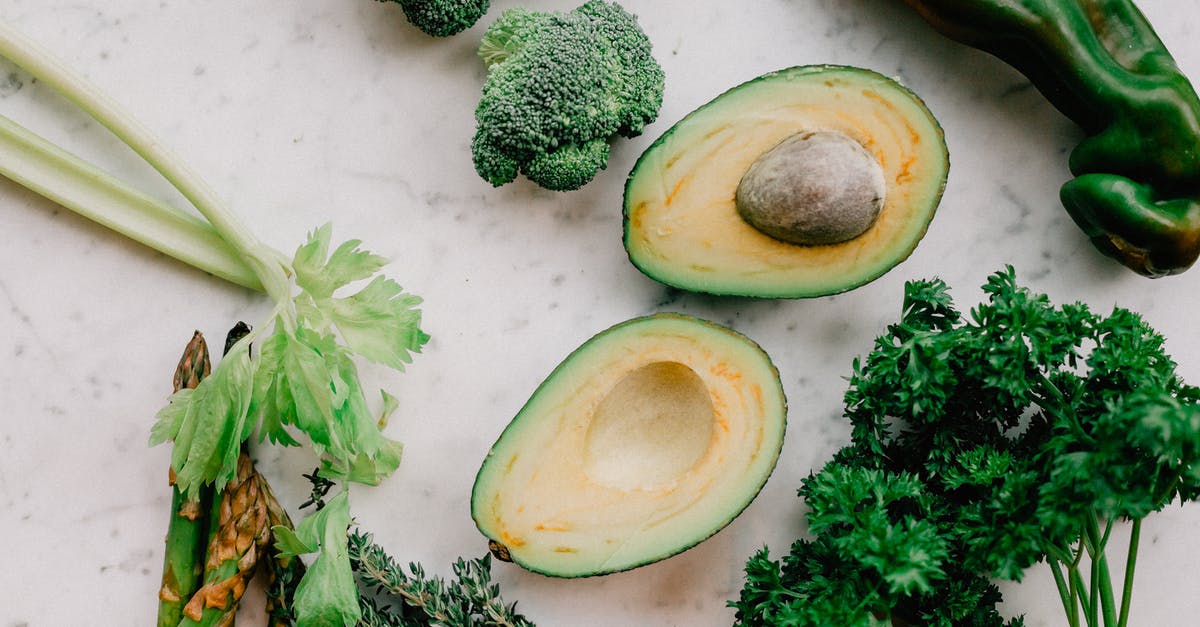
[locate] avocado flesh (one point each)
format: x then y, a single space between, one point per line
646 440
682 227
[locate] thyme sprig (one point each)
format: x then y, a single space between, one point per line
417 599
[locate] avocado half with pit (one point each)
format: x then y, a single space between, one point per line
649 438
803 182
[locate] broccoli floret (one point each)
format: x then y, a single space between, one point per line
559 87
443 18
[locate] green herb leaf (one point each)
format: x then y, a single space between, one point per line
321 276
209 424
380 322
417 599
327 595
313 387
170 418
980 447
390 404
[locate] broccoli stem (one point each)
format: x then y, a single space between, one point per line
266 263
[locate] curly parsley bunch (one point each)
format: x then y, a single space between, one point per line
982 445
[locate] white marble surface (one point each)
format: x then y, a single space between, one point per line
304 111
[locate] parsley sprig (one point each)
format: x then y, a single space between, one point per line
982 445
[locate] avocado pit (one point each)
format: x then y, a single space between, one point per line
813 188
650 429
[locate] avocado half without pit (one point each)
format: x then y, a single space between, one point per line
804 182
649 438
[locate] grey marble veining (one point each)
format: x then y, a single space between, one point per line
301 113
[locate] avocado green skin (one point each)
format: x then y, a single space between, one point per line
500 552
1137 188
783 291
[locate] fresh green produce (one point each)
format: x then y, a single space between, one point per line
284 571
443 18
416 599
701 215
239 533
183 557
1137 186
649 438
982 445
387 595
559 87
214 546
302 379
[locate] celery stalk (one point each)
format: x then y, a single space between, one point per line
68 180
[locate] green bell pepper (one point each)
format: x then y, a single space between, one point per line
1099 62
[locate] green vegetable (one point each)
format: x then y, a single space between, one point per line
183 555
559 87
213 547
239 533
303 380
417 599
330 596
443 18
284 571
1137 186
981 446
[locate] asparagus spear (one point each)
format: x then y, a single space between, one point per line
241 534
283 571
239 530
186 533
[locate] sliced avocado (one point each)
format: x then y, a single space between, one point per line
646 440
682 221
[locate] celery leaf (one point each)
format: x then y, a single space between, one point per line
169 419
321 276
313 387
209 424
327 595
380 322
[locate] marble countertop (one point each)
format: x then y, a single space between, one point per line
303 112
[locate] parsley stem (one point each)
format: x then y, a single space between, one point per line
1064 591
1135 536
1078 558
1094 589
1102 593
1168 490
1062 554
1107 603
1080 596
